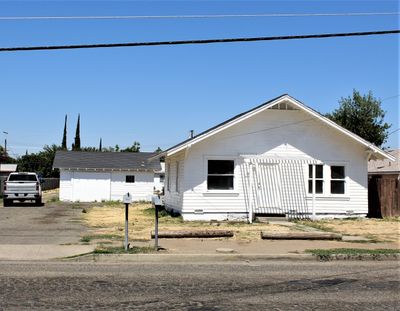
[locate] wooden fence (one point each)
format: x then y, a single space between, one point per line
383 196
48 183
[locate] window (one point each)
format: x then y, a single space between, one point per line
220 174
168 177
129 178
177 178
319 178
337 179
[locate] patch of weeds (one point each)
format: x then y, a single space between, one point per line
162 212
53 200
88 238
327 254
85 239
315 224
112 203
121 250
391 219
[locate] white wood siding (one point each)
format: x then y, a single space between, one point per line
284 134
95 186
141 189
173 199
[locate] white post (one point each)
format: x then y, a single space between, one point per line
313 192
251 193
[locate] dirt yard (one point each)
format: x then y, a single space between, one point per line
378 230
107 221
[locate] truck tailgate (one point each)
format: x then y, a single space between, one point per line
20 186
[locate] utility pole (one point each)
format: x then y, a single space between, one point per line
5 143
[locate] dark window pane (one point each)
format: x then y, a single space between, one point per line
319 171
220 182
318 186
337 172
337 186
220 167
130 178
22 177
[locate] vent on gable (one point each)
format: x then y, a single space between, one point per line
284 106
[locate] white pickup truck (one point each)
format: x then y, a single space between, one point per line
22 187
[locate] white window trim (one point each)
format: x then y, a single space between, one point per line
327 182
222 192
169 177
177 177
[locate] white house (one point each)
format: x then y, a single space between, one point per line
281 157
105 176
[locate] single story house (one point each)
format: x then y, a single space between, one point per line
6 169
105 176
281 157
383 186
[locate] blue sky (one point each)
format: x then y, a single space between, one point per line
155 95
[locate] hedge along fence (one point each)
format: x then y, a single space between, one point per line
48 183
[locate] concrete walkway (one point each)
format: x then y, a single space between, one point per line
42 252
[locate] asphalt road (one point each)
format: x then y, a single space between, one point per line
207 286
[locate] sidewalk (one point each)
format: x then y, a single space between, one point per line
41 251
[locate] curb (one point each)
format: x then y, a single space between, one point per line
199 258
194 258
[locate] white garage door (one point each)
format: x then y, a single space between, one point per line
90 187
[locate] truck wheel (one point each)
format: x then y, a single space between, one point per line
38 201
7 202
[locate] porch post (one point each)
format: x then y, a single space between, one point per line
313 192
251 193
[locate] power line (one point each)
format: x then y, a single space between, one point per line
203 16
206 41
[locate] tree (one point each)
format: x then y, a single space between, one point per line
41 162
134 148
77 142
5 158
100 146
362 115
64 140
158 150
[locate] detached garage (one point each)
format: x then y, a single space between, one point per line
105 176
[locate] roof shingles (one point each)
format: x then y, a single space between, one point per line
106 160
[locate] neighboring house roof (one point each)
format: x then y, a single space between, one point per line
379 153
106 161
385 166
8 167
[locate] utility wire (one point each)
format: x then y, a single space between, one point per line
196 16
206 41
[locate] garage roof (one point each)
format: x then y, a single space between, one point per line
138 161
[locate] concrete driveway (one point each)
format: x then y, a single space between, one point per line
30 232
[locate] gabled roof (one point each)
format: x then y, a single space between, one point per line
385 166
106 160
379 153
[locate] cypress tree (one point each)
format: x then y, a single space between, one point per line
64 140
100 146
77 143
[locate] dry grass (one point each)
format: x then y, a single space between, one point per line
109 219
376 229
